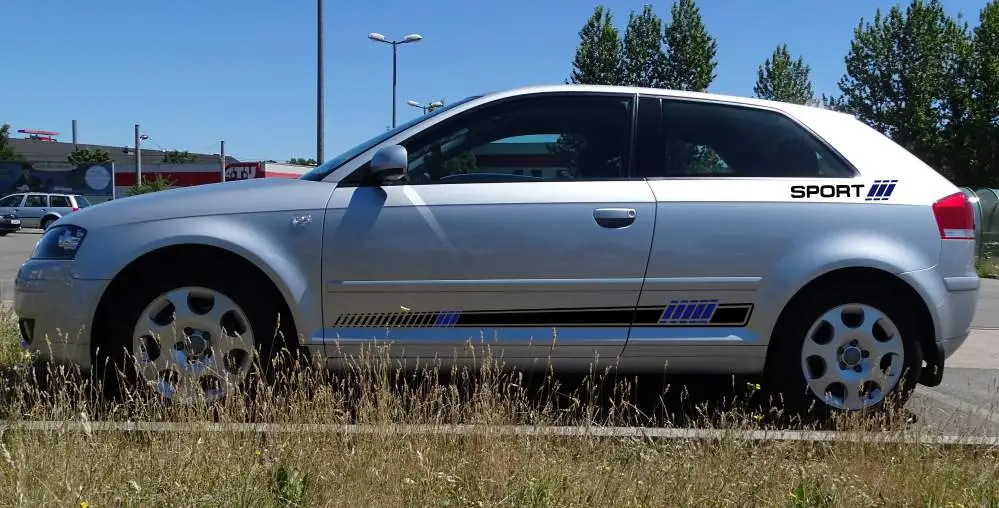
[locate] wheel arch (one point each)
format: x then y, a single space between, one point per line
225 257
864 274
50 215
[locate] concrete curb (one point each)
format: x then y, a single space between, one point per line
89 428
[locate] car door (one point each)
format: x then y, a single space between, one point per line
725 224
516 227
11 203
35 206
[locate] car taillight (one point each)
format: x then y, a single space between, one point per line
955 217
76 209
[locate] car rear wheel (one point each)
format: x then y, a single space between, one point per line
46 223
846 350
197 335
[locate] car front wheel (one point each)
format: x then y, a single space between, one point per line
197 335
846 350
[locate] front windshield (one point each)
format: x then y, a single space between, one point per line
331 165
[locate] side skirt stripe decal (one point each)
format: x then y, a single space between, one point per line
686 313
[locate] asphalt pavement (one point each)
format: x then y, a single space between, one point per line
966 402
14 249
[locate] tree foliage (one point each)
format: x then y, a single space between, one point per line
178 157
303 161
7 151
89 156
902 77
147 185
690 51
598 56
782 78
983 121
643 60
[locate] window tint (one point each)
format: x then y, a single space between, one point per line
36 200
707 140
81 201
528 139
10 201
60 202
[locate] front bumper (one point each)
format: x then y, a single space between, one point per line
55 312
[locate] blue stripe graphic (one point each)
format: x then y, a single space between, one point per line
689 312
881 190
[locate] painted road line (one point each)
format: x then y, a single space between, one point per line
501 430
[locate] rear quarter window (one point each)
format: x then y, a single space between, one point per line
81 201
60 202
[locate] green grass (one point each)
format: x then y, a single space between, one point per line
334 469
987 266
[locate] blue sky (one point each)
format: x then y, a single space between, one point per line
193 73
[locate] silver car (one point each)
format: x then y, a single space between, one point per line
40 209
559 226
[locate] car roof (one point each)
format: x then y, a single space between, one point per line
796 109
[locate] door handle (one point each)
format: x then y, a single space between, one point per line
614 217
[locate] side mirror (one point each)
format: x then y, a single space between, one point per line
389 163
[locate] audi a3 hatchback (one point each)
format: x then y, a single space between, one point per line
566 227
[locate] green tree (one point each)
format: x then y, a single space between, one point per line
598 56
903 75
7 151
983 131
303 161
644 60
690 51
464 162
782 78
89 156
178 157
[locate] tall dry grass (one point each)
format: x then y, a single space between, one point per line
118 468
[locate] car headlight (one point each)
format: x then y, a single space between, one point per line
59 242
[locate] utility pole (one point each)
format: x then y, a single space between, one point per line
319 84
222 159
138 156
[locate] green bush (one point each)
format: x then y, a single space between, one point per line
160 183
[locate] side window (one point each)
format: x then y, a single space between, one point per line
528 139
11 201
60 202
36 201
717 140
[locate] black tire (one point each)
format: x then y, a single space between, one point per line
4 233
785 379
46 223
274 341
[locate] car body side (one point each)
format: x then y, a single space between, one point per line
736 240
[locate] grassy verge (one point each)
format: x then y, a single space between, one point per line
988 266
234 469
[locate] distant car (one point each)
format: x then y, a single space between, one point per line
40 209
10 222
643 230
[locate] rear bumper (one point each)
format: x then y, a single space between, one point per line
951 302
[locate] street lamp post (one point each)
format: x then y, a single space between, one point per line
395 44
426 107
320 100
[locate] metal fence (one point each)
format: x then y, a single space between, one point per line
985 203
